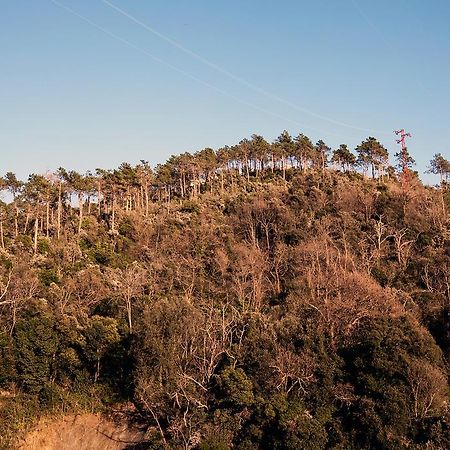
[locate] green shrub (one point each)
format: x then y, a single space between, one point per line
43 246
48 276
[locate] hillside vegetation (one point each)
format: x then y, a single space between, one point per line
262 296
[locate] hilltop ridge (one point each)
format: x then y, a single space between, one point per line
242 298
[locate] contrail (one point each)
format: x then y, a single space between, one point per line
386 42
232 75
371 24
183 72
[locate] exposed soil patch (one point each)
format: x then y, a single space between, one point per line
83 432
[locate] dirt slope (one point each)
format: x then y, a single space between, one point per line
82 432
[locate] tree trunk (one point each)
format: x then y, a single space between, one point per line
26 223
47 219
113 211
58 225
80 212
129 314
97 370
146 200
99 201
36 229
2 240
16 221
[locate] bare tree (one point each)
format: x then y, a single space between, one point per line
21 286
428 387
403 246
129 284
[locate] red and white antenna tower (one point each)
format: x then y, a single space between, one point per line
404 152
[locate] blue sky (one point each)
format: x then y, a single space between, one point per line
338 70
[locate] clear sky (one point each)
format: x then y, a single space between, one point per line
209 73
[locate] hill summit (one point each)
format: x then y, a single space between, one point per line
262 296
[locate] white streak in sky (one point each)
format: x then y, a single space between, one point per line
181 71
232 75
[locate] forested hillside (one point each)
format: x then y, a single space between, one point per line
261 296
